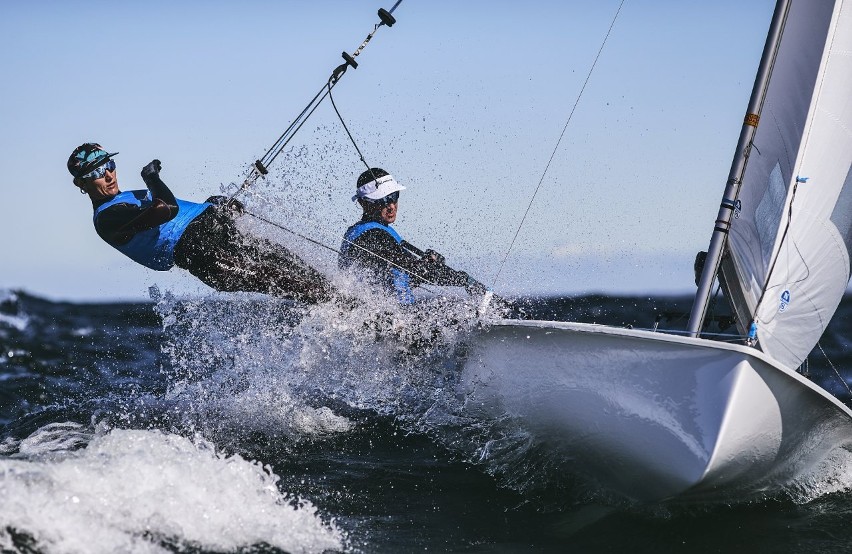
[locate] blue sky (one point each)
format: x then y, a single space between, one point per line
462 101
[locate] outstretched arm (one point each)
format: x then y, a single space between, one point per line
431 266
435 271
376 249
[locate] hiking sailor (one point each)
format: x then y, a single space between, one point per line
159 231
380 254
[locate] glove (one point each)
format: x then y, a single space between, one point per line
438 259
151 169
224 202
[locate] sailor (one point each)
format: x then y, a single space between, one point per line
379 253
159 231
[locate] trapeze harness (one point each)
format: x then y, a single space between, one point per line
155 247
398 280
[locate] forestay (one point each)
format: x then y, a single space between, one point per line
792 229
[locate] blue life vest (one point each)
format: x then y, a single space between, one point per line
398 279
154 248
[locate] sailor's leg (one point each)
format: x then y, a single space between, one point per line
271 268
216 252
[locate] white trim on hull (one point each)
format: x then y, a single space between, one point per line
653 416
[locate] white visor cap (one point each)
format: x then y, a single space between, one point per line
378 189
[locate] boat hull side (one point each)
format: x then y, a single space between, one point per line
652 416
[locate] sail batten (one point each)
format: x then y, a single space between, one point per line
790 239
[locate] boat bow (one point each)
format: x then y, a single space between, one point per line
652 416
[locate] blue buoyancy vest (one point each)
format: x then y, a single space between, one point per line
399 280
155 247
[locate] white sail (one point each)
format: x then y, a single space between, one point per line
792 229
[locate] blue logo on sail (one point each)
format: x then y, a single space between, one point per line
785 300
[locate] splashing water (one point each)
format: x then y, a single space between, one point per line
146 491
287 372
361 411
267 365
294 373
11 313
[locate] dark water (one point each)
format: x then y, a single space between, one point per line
245 425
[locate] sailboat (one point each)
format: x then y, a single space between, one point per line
656 416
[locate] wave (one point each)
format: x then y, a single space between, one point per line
247 372
291 374
69 488
11 313
296 373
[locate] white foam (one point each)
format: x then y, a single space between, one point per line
266 407
248 366
11 314
136 491
18 322
54 438
832 475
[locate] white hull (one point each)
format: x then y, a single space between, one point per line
653 416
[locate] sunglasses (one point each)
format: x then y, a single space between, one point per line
391 198
99 172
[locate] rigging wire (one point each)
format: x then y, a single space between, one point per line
260 166
346 128
335 250
556 148
836 372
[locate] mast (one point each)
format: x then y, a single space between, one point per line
738 166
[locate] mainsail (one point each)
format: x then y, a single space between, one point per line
790 239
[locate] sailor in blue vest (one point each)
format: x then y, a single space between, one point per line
159 231
380 254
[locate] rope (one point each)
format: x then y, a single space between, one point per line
376 28
301 119
836 372
335 250
285 138
351 139
278 225
553 154
260 166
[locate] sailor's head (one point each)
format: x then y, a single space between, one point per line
93 170
378 193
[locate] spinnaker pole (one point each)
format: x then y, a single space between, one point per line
738 167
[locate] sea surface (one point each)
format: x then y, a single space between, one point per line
243 424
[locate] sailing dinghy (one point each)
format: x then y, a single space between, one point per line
655 416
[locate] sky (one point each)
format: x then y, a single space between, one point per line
463 102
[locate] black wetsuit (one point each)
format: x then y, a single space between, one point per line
387 260
213 249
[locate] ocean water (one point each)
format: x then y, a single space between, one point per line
243 424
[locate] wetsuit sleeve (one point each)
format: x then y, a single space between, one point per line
377 249
159 191
442 275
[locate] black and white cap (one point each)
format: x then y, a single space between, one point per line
375 184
